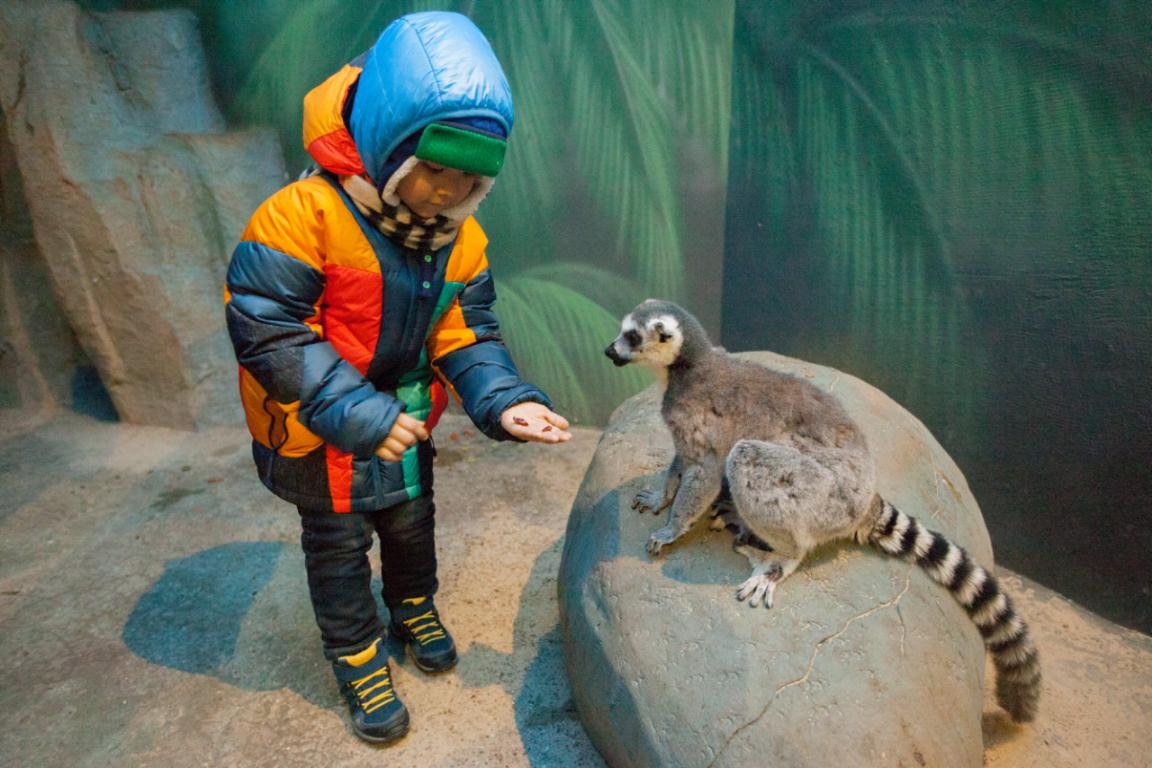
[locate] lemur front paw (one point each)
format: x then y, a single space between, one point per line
659 539
648 501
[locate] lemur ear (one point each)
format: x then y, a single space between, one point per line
658 328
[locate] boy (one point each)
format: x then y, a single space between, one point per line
355 296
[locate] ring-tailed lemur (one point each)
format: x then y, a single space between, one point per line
800 474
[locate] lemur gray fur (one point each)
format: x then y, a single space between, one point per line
800 474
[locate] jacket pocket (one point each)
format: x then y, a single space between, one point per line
273 424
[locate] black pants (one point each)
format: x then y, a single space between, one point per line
336 548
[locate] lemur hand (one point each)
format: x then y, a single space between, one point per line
535 422
405 432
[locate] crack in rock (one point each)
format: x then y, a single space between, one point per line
895 601
942 478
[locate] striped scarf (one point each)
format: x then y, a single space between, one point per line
396 221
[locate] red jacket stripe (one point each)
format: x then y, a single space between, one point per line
339 478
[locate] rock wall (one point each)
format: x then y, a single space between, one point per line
38 351
862 661
136 194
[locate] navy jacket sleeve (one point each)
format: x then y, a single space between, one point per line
271 295
477 364
488 383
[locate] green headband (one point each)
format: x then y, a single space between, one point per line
469 151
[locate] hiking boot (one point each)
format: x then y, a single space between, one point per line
416 623
366 682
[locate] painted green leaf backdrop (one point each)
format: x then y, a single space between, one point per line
589 215
952 201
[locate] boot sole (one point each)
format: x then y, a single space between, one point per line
428 670
395 636
399 732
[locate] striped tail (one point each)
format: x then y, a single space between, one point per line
1005 635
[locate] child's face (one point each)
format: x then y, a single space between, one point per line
429 188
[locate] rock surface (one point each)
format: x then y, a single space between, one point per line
863 660
136 195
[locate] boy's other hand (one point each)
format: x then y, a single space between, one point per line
405 432
536 423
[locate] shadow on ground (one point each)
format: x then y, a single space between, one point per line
239 613
191 618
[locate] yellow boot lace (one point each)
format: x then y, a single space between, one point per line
425 627
374 690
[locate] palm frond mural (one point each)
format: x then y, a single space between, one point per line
891 153
844 211
596 203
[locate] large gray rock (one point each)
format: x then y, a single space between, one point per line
136 195
863 661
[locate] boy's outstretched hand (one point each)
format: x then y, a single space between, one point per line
406 430
535 422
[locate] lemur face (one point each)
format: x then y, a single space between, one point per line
651 338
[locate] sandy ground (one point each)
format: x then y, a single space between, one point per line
153 612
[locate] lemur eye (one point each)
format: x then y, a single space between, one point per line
632 337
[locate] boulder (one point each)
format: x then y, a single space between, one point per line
862 661
136 194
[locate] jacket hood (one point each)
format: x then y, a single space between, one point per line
424 67
326 137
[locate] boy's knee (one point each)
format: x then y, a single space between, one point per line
415 516
335 533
